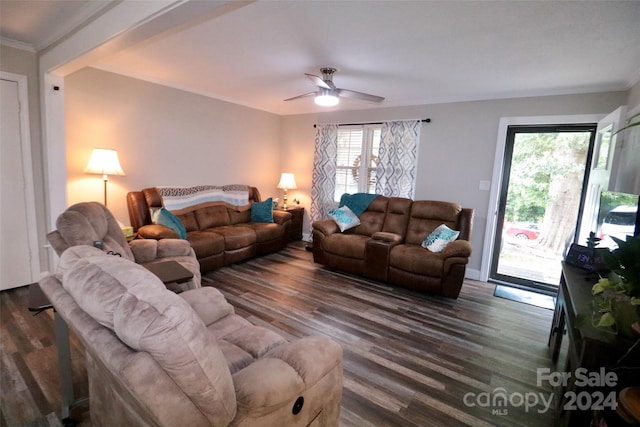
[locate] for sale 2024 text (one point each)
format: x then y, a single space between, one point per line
590 399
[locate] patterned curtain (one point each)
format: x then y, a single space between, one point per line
397 158
323 181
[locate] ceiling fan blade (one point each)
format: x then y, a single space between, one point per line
359 95
300 96
318 81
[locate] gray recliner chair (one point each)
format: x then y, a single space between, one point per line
87 222
156 358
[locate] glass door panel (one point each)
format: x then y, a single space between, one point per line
539 209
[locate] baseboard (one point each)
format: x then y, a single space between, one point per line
472 273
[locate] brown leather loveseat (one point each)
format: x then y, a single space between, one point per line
386 246
220 235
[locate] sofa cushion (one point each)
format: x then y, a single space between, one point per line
84 223
189 221
372 220
346 245
212 216
164 217
208 303
206 243
439 238
266 232
397 217
97 281
414 259
236 236
344 217
241 342
240 216
262 211
164 325
427 215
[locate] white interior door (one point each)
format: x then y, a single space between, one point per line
18 245
603 162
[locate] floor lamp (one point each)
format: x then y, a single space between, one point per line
104 162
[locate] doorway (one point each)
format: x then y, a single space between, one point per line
545 168
19 262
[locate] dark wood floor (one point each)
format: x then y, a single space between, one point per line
409 359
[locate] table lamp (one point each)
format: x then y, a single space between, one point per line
104 162
287 182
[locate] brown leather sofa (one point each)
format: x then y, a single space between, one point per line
386 246
219 235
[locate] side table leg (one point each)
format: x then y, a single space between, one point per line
64 364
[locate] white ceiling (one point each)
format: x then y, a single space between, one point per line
411 52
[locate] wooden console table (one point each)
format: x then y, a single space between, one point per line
588 347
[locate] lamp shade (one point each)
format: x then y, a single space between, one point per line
287 181
104 162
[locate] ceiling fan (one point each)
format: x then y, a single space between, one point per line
327 94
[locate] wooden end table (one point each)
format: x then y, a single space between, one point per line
171 273
297 217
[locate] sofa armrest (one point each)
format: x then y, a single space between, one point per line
281 217
383 236
284 373
377 253
156 231
326 226
457 248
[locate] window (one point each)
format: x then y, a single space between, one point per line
357 157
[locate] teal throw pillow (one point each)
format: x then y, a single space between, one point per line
164 217
344 217
262 211
440 238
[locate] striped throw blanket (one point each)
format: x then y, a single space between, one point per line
184 199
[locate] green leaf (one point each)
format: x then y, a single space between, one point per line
635 301
602 284
606 320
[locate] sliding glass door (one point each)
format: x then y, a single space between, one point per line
543 186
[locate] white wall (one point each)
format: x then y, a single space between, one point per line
633 100
170 137
163 137
457 148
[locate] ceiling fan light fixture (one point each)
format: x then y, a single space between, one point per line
326 98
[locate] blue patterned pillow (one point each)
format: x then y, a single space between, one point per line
262 211
440 238
344 217
164 217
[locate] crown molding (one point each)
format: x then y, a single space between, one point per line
17 44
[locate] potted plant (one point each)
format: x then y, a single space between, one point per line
616 299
